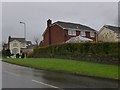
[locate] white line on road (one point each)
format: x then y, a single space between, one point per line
11 73
46 84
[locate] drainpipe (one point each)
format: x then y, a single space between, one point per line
49 22
96 36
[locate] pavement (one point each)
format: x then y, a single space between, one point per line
14 76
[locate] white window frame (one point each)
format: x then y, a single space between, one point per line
72 32
92 34
82 33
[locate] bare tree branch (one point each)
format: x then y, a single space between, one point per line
36 40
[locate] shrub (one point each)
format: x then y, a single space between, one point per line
90 51
6 53
23 55
17 55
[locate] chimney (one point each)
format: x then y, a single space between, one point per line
9 38
49 22
9 42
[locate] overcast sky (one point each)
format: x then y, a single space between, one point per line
35 15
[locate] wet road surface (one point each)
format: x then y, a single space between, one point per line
14 76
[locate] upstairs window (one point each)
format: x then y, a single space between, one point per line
92 34
72 32
15 44
83 34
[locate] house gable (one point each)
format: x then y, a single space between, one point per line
52 25
18 39
59 32
71 26
16 42
57 35
106 35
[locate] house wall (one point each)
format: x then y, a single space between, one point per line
107 35
60 35
27 50
46 39
67 37
18 46
93 38
78 33
117 39
57 36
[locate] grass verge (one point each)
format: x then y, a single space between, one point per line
69 66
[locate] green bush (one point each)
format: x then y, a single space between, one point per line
81 48
23 55
6 53
17 55
89 51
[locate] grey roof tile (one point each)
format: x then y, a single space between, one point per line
73 25
28 42
19 39
114 28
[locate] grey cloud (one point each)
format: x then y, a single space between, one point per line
93 14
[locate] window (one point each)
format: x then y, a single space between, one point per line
23 44
92 34
15 44
15 50
83 33
72 32
118 35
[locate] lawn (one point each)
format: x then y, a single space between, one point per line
69 66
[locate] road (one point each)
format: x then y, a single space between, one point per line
14 76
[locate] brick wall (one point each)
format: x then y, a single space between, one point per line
59 35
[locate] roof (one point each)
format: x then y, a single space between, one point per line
28 42
18 39
31 46
114 28
68 25
5 45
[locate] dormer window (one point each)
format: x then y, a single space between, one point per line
92 34
72 32
83 34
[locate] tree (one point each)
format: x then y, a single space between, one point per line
7 52
3 43
4 51
36 40
23 55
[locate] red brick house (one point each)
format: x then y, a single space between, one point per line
59 32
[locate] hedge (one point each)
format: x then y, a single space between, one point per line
89 51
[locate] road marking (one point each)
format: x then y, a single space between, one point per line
11 73
46 84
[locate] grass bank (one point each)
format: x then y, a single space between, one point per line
69 66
